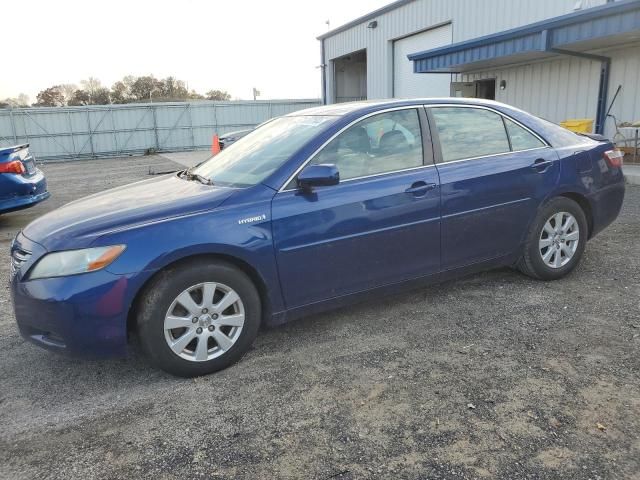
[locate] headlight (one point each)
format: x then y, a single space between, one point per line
71 262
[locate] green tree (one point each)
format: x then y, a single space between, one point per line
143 88
120 92
219 95
50 97
101 96
129 89
173 89
79 98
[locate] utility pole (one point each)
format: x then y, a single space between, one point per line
256 93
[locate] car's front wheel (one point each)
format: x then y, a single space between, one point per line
198 318
556 240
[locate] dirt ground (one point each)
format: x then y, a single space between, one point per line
492 376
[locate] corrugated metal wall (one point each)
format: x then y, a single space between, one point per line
555 90
470 19
567 87
625 71
112 130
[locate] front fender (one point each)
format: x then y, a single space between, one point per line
224 231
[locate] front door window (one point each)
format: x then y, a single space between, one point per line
378 144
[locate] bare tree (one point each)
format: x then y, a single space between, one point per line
21 100
68 89
91 85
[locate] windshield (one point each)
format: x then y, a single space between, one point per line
254 157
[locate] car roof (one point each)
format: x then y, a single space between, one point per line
340 109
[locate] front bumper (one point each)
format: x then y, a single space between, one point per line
18 192
82 315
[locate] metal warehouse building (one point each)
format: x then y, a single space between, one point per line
558 59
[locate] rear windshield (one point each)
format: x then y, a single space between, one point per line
254 157
559 136
556 135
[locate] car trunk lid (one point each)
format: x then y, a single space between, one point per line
18 160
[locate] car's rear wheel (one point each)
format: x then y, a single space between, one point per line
556 240
198 318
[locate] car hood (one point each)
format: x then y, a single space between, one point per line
77 224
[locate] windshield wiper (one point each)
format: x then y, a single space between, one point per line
201 179
189 175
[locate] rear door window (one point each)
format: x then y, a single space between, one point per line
467 132
520 138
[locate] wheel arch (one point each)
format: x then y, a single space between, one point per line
239 263
584 204
577 196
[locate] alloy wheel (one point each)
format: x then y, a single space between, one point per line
204 321
559 239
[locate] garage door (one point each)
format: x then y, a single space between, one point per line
407 84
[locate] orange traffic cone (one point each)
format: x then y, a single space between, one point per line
215 145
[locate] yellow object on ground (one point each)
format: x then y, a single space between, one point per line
579 125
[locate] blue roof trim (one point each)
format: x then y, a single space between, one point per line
609 19
603 26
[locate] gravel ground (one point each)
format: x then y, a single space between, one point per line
492 376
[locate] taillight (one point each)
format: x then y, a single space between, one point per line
12 167
614 157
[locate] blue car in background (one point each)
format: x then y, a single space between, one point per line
309 212
22 184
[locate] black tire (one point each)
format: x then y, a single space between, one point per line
166 287
531 262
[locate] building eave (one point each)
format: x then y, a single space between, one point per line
609 24
364 18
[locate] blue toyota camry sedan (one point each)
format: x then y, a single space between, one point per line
311 211
22 184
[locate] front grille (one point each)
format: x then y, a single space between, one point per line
18 257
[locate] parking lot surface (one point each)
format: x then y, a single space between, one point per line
492 376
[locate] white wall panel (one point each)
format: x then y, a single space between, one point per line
407 84
555 90
469 18
625 71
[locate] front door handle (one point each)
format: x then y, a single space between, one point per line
541 165
420 188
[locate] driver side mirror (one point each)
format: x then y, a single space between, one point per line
322 175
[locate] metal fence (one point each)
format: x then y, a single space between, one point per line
59 133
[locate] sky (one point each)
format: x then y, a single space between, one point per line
232 45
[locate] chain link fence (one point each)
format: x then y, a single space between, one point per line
62 133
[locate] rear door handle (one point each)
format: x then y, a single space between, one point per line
541 165
420 188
